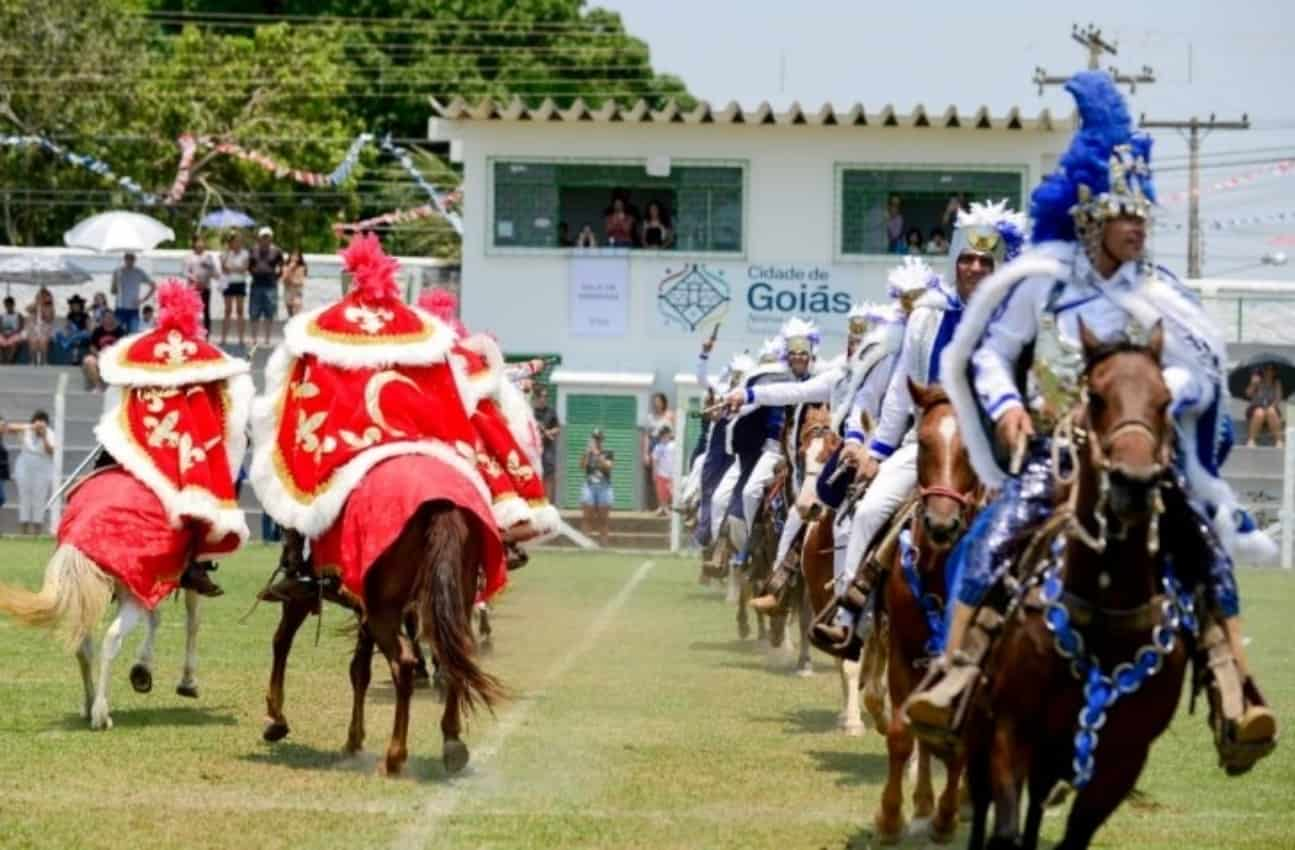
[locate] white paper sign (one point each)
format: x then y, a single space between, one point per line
599 296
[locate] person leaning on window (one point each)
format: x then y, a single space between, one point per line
655 230
895 226
618 226
587 239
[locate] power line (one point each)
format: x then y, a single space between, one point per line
481 24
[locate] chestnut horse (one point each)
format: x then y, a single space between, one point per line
1096 596
431 570
818 590
914 592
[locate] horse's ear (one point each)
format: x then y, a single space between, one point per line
1089 339
920 393
1156 343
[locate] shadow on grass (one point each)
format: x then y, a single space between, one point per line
854 768
298 756
177 716
866 839
742 647
805 721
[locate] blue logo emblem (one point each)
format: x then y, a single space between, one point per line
693 295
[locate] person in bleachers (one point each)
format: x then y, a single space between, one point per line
100 338
73 336
12 337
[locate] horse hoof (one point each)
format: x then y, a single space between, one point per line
855 730
186 690
100 719
486 646
275 730
806 670
454 755
941 832
888 831
141 679
391 767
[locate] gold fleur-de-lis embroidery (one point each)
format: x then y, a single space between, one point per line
308 439
161 432
189 453
466 450
517 469
370 320
176 349
371 436
155 397
489 465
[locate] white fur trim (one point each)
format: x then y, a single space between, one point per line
511 510
953 362
521 422
223 519
114 371
373 356
546 520
241 392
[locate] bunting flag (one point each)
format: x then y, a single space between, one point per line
189 144
86 161
438 200
1233 222
1283 168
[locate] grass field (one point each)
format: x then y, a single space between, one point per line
638 721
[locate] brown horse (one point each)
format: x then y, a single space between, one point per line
1097 595
431 570
761 550
817 592
914 604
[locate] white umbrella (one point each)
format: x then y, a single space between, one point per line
41 270
115 232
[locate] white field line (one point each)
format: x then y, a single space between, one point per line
441 805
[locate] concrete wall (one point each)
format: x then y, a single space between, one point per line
792 202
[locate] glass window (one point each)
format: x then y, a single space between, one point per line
885 211
563 205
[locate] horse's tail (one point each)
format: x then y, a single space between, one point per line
72 599
446 620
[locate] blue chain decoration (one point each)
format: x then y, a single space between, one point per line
1101 691
932 605
438 200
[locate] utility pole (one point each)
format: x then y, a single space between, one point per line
1092 41
1194 126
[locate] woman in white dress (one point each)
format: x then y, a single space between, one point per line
34 469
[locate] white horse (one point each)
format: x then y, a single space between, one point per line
72 600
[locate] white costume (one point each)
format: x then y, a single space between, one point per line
34 475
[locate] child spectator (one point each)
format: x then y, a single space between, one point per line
663 469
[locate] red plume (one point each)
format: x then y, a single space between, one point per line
373 271
179 307
444 305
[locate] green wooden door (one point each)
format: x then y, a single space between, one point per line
689 431
618 417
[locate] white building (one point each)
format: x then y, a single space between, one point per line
771 214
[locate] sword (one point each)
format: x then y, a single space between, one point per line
71 479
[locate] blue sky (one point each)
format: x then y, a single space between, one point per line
1227 58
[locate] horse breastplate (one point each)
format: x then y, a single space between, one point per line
1056 372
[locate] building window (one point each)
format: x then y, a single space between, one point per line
886 211
564 205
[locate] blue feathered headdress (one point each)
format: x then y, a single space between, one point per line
1104 173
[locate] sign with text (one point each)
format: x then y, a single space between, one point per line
598 293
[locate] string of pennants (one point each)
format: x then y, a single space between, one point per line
189 144
1283 168
1233 222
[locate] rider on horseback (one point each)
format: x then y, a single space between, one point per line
984 238
852 385
1089 266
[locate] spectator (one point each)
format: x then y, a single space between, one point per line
618 226
913 241
233 265
655 232
146 320
663 469
11 332
1264 411
547 419
98 306
659 417
294 283
34 469
127 281
587 239
267 265
895 226
71 339
4 464
597 496
40 327
564 235
102 337
939 243
949 220
200 269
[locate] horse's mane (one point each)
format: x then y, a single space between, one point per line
1119 345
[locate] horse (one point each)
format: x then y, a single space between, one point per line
913 601
431 569
761 549
817 583
1034 722
73 599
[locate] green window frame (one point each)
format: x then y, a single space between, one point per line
530 198
863 192
617 415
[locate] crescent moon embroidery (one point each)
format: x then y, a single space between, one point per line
373 394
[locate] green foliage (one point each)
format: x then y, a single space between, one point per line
121 79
